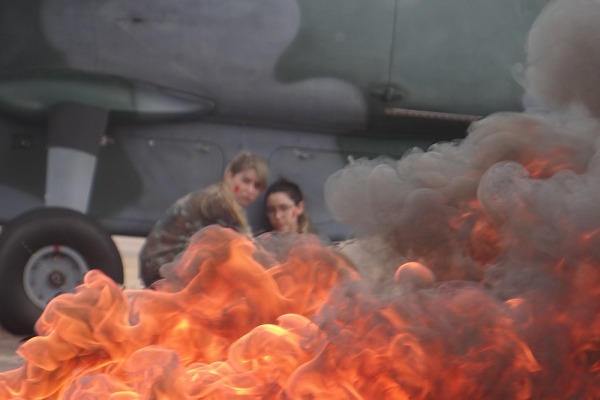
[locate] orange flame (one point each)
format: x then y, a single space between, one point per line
228 322
165 342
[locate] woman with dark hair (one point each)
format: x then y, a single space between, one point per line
286 211
284 206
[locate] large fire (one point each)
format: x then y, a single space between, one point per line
230 322
222 326
482 278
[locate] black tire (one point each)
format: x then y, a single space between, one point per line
45 252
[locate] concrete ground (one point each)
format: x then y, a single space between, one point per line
128 247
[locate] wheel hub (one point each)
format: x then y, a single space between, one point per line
52 270
56 278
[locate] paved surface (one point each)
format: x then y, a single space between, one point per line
129 248
8 345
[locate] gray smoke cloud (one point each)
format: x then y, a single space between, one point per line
521 188
563 55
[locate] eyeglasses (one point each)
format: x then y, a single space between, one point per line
282 208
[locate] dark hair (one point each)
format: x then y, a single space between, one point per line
283 185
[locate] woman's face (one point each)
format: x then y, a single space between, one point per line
244 185
282 212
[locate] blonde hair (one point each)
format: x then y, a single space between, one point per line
219 204
246 160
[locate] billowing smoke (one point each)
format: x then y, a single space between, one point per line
493 244
521 188
563 56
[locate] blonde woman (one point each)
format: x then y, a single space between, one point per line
244 179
